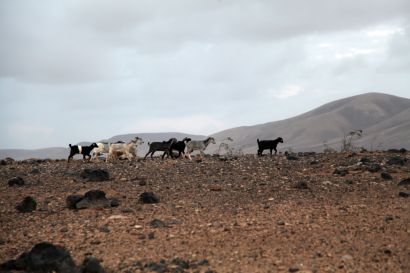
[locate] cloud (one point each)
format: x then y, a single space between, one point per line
99 66
88 41
288 91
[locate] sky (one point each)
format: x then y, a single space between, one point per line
86 70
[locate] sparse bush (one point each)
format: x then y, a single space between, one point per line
327 149
227 151
347 141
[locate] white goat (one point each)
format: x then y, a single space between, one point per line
199 145
103 148
128 149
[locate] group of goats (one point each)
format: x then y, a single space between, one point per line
128 150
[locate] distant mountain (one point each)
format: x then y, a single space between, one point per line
384 119
20 154
60 152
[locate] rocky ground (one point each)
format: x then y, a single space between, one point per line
306 213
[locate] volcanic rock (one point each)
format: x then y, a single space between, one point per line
16 181
96 175
91 265
386 176
404 182
396 160
44 258
93 199
27 205
148 198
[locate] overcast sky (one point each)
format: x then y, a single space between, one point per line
83 70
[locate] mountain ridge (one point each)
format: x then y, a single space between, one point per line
384 119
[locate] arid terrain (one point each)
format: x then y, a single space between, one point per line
337 212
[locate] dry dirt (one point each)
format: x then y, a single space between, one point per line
248 214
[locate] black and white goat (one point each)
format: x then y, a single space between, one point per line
164 146
179 147
84 150
199 145
268 145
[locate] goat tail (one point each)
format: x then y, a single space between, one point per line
69 145
258 140
149 143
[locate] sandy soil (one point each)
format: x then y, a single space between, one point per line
248 214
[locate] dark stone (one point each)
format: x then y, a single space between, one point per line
340 171
7 161
151 235
93 199
293 269
48 257
396 160
387 251
91 265
21 262
280 223
96 175
115 202
404 182
386 176
72 200
27 205
16 181
388 218
349 182
160 267
404 194
181 263
148 198
202 262
292 157
314 162
104 228
374 167
157 223
127 210
8 265
43 258
402 150
365 160
35 171
94 195
302 185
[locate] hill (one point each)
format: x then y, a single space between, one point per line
384 119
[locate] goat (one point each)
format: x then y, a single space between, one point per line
84 150
128 149
103 148
180 147
161 146
268 144
199 145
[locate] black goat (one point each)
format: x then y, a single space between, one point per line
268 144
160 146
179 147
84 150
